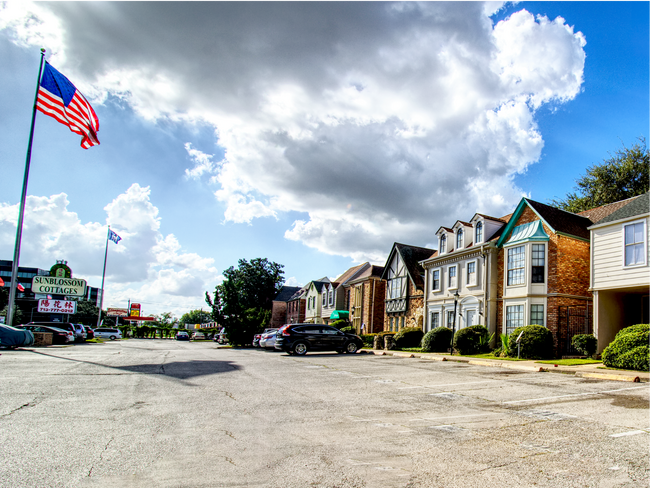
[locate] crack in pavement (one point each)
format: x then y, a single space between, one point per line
25 405
101 456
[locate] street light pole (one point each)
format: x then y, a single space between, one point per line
453 330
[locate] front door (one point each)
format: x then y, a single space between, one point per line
469 317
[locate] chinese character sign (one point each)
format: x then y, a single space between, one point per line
57 306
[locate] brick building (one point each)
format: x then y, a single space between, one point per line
366 294
543 272
279 305
296 307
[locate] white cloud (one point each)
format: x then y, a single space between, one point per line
378 121
144 267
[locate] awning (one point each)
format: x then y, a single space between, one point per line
533 231
340 315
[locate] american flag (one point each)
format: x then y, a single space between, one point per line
60 99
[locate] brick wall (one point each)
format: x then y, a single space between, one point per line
414 314
278 314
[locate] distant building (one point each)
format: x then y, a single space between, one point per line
279 306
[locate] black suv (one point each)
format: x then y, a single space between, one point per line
300 338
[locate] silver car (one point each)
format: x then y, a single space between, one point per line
106 333
267 341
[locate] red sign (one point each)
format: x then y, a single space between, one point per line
46 305
117 312
137 319
135 310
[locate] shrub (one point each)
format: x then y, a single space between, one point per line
408 337
368 340
470 339
536 342
504 350
629 349
437 340
380 338
349 329
587 344
340 324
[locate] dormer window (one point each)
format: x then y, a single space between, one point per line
459 239
479 232
443 243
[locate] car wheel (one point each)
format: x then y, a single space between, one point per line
300 348
112 338
351 348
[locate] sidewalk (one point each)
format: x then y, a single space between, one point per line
594 371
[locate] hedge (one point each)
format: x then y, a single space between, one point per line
470 340
408 337
437 340
368 340
536 342
587 344
629 349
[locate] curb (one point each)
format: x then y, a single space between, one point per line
504 364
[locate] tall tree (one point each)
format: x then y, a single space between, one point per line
242 302
195 317
621 176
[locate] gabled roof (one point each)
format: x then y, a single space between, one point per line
319 285
351 273
465 224
411 255
445 228
559 221
286 293
488 217
371 271
300 294
626 209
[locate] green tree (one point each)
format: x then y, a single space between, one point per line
195 317
86 313
621 176
242 302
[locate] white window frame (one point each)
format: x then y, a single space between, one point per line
459 238
433 313
478 226
453 286
439 288
442 244
522 268
467 266
530 312
644 244
532 262
331 297
505 315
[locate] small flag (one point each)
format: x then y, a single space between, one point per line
113 236
20 287
60 99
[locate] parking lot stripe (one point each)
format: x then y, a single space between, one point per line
574 395
631 432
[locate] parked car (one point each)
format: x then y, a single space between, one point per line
74 328
198 336
59 336
90 333
80 333
12 337
220 337
107 333
256 340
300 338
267 341
181 335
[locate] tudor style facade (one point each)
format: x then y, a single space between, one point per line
461 280
404 276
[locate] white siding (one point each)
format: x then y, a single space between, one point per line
607 260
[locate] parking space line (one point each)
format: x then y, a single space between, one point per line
574 395
631 432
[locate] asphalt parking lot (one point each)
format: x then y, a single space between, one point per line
160 413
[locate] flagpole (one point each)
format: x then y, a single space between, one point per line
101 299
21 213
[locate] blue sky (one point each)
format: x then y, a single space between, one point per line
313 134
